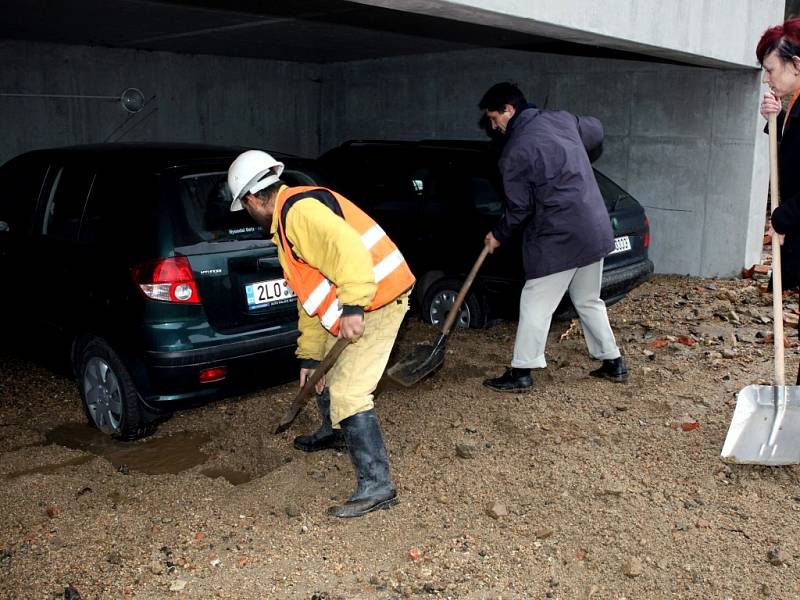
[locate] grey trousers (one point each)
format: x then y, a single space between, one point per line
540 298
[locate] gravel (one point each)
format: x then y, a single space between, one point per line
578 489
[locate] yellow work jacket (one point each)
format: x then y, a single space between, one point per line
333 255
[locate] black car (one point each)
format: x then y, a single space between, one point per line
438 199
126 260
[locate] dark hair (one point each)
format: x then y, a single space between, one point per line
783 39
269 191
500 94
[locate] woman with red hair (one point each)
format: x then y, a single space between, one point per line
778 51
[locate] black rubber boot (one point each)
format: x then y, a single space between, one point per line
375 489
613 370
513 380
326 436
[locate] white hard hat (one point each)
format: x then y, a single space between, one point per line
251 172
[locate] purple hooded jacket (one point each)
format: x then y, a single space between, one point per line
551 191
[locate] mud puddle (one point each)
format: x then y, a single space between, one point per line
155 456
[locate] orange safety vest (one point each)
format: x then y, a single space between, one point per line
318 294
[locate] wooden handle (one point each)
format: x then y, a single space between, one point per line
325 365
451 316
777 287
305 392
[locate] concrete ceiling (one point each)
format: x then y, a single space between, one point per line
314 31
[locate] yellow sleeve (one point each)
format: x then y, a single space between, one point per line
311 343
326 242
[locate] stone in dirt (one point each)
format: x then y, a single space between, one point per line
70 593
466 450
703 524
632 567
177 585
778 557
497 510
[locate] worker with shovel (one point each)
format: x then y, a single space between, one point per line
778 51
552 195
352 283
765 426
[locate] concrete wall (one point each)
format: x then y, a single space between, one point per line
685 141
706 32
205 99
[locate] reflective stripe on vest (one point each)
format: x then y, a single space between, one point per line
318 295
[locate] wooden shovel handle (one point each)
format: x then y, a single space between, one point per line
454 310
777 287
305 392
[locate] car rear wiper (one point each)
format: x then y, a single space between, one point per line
618 199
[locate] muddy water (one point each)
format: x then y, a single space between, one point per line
154 456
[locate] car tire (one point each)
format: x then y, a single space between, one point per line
441 295
109 396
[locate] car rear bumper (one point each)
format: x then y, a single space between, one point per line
172 378
619 281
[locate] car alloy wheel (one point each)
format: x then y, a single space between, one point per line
439 299
440 305
103 395
109 396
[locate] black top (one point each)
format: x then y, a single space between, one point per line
786 218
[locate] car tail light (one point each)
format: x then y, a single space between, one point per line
646 232
213 374
167 280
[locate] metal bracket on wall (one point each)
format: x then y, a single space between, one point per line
131 99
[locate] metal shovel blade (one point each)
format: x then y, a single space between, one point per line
425 359
765 428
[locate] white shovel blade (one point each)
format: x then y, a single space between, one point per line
765 428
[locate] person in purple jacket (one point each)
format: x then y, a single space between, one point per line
552 196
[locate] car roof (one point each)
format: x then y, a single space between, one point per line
420 144
153 155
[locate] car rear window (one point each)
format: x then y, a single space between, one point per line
205 202
614 196
21 181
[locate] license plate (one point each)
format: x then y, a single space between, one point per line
621 244
268 293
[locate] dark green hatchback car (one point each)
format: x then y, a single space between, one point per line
136 271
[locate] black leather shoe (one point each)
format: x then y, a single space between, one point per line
513 380
613 370
325 437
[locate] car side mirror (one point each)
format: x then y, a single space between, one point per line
4 227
